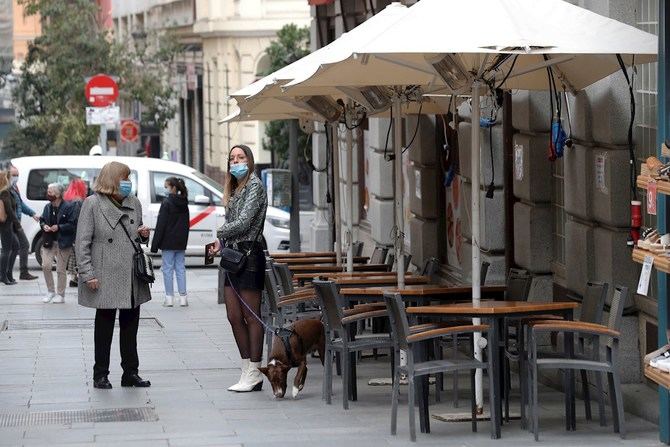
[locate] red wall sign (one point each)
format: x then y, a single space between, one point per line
101 91
130 130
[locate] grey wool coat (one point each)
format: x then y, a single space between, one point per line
105 253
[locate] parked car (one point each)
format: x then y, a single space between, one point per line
148 176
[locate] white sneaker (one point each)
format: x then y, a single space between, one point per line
58 299
49 296
169 301
183 300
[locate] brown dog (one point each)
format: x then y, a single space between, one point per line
302 337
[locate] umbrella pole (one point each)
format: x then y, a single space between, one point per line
336 193
476 273
350 193
399 220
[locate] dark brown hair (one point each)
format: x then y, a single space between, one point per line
232 184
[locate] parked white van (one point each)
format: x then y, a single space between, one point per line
148 176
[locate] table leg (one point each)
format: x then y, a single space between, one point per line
569 337
494 352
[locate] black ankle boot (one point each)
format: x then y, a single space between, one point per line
134 380
102 383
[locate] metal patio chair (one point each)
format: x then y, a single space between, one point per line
609 334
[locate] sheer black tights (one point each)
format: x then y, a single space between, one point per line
247 330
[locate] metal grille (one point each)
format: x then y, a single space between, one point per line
141 414
83 323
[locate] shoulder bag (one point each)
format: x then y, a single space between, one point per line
143 267
235 260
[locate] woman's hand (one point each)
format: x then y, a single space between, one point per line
93 284
143 231
216 248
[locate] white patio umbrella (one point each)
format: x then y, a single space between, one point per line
507 43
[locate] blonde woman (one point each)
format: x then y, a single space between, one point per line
106 281
9 225
246 202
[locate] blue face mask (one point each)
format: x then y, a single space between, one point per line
239 170
125 187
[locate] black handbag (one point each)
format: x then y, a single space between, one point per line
143 267
233 259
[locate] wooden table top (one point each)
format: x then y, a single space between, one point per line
493 308
337 275
302 254
422 290
381 281
318 260
336 268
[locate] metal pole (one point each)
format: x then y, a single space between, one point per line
335 139
103 138
663 224
399 211
476 273
295 199
350 194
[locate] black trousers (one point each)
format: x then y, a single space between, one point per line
24 249
10 248
129 320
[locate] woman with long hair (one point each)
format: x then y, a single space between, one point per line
246 202
171 237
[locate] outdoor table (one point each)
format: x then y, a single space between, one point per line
302 254
495 313
370 281
337 268
309 277
421 293
317 260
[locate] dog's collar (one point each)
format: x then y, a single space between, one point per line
284 334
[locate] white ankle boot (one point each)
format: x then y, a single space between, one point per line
244 366
169 301
252 380
183 300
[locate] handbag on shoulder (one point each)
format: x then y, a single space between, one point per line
143 267
235 260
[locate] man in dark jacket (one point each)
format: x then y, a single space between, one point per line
171 237
59 226
22 208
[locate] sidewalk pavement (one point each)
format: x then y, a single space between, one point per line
46 358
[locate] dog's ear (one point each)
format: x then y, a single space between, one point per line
264 370
285 368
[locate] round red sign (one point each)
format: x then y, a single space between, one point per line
129 130
101 91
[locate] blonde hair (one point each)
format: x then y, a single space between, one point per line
4 181
109 177
232 185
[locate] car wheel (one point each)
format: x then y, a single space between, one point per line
38 251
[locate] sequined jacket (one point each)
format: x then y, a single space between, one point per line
244 214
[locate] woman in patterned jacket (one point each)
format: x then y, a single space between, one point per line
246 202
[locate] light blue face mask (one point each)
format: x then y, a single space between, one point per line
239 170
125 187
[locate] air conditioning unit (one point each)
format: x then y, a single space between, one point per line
324 106
378 98
451 70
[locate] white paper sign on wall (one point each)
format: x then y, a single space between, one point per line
518 162
600 164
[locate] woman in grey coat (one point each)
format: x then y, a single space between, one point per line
106 281
246 202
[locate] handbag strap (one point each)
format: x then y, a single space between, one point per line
137 249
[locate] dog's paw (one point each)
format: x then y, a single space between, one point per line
295 392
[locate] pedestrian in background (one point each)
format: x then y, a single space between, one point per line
21 208
171 236
106 279
246 202
58 224
8 228
75 193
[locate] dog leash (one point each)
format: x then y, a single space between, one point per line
284 334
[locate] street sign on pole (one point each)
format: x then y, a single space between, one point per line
130 130
96 116
101 91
